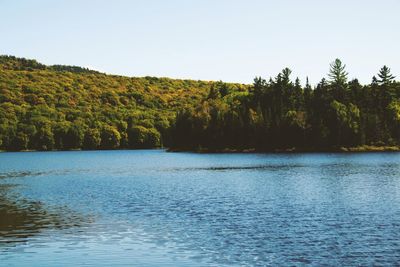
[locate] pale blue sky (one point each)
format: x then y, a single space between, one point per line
228 40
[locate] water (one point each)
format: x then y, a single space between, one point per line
152 208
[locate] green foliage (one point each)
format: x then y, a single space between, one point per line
394 118
110 137
73 138
385 76
281 114
44 139
346 123
19 142
142 137
337 73
92 139
66 107
394 109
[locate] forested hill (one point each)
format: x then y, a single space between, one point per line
68 107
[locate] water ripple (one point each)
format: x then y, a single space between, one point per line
162 209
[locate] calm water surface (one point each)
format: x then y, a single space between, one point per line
152 208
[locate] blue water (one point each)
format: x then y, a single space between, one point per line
153 208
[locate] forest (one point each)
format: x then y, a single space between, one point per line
280 114
68 107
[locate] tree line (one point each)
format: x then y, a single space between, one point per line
281 114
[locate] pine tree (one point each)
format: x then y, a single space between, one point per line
337 73
385 76
286 75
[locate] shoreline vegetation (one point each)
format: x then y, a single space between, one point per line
60 108
361 149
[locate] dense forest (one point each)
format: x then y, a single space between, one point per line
68 107
280 114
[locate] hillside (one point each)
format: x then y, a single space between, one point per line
68 107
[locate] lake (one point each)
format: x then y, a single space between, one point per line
153 208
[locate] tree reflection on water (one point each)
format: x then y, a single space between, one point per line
21 219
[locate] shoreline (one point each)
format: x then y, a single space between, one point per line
358 149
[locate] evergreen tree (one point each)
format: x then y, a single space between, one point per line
385 76
337 73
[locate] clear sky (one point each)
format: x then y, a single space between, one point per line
227 40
